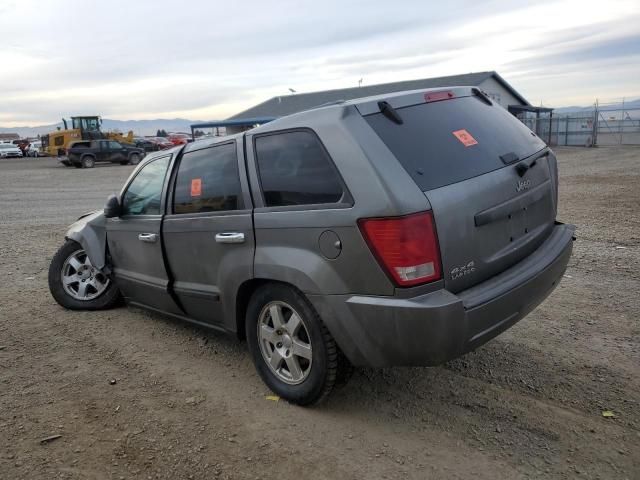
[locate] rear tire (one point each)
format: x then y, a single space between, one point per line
88 161
277 339
134 159
84 287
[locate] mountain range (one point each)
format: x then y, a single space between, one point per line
139 127
628 105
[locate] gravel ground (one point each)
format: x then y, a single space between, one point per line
134 395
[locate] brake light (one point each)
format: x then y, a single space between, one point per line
406 247
437 96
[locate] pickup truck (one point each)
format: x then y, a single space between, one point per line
85 154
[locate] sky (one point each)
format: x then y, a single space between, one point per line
204 60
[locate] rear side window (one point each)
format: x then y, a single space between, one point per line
295 169
208 181
446 142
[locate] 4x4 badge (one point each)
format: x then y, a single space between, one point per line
463 270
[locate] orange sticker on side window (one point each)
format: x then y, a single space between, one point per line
196 187
465 138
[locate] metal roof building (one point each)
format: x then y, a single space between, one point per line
492 83
500 91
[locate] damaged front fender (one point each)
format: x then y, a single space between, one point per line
90 231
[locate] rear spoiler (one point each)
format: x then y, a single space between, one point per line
371 105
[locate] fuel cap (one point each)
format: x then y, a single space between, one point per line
330 244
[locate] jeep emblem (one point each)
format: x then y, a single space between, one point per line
523 185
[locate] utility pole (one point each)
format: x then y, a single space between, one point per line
621 124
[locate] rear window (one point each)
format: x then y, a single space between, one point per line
446 142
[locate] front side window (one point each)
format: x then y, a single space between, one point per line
294 169
208 181
144 194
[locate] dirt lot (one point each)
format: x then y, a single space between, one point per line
135 395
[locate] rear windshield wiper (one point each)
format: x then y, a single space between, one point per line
390 112
522 167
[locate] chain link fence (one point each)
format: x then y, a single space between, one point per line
611 123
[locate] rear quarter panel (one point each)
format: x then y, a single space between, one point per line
287 238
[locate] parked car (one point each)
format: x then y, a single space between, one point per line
34 149
9 150
86 153
162 142
179 138
404 229
147 145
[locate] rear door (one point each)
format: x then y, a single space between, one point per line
464 153
135 242
208 233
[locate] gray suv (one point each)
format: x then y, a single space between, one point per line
405 229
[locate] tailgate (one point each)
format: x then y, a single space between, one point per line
488 223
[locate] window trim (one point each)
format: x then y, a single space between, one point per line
162 194
174 180
345 200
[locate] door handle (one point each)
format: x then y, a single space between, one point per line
230 237
148 237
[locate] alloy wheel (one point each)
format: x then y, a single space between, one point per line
285 343
80 279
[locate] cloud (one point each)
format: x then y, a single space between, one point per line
146 59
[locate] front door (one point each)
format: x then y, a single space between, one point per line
208 232
135 240
103 154
116 152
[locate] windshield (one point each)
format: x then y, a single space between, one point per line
446 142
86 123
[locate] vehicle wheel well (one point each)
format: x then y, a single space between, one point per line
242 301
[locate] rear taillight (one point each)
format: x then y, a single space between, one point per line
407 247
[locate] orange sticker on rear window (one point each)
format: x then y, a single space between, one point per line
196 187
465 138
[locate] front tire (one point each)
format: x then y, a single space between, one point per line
291 348
76 284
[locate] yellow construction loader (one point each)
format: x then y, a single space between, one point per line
82 128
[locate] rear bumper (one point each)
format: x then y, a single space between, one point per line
439 326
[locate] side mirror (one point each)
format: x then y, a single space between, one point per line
112 208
